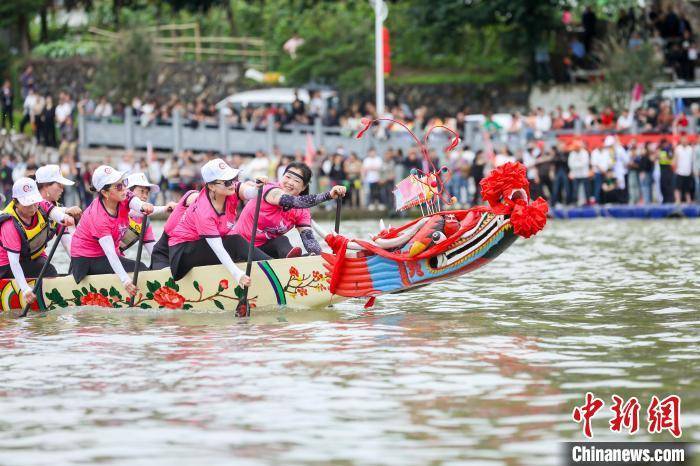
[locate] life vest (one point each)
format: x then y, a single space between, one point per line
131 236
33 239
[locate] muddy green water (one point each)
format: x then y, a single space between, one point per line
484 369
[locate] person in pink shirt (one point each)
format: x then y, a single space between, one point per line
95 245
138 184
204 234
24 233
285 205
160 256
51 184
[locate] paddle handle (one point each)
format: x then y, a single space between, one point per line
338 206
251 249
37 283
139 250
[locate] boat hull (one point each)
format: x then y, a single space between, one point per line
299 282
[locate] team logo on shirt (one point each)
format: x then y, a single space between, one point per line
122 231
230 225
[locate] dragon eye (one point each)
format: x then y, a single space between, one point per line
438 237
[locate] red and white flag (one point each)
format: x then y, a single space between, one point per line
310 153
636 98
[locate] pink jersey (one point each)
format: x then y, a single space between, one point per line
201 220
10 238
177 213
273 220
95 223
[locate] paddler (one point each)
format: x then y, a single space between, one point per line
138 184
95 246
51 185
24 232
160 256
204 234
285 205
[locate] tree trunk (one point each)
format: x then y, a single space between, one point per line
25 40
231 18
116 5
44 37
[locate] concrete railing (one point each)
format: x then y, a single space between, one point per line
223 138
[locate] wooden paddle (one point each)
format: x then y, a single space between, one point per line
37 283
144 227
338 205
243 308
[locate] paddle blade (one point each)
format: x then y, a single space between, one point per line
243 308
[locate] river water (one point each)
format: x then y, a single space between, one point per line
483 369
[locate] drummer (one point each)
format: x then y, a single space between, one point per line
95 246
51 185
24 232
285 205
204 235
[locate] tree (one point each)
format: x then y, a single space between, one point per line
18 13
124 68
623 67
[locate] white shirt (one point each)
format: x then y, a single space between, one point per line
579 163
543 122
63 111
29 103
103 110
601 160
502 159
258 167
372 167
684 160
624 122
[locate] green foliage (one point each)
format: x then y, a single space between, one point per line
623 68
12 10
125 66
65 49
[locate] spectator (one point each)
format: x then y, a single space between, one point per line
64 108
371 175
579 168
26 80
103 108
6 105
646 173
292 44
48 122
561 191
353 171
666 171
28 107
683 168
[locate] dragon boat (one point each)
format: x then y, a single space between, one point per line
439 245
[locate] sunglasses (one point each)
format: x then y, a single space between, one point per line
227 183
117 186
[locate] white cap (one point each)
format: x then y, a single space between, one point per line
26 191
104 175
217 169
609 141
51 174
139 179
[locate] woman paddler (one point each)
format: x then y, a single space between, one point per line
160 256
95 246
285 205
138 184
51 184
24 232
204 235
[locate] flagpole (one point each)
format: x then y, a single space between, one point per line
379 56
